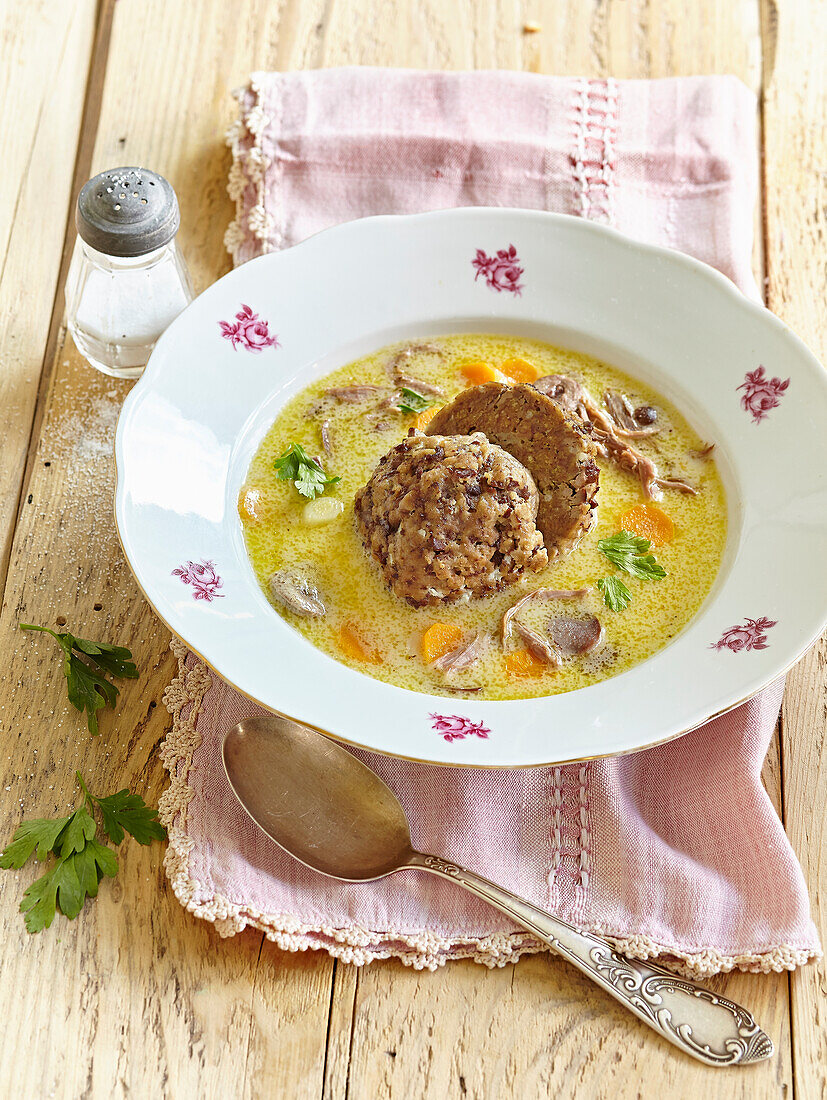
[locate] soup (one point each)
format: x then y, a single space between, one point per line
614 570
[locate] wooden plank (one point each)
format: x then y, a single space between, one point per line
150 1001
539 1028
340 1032
136 997
795 106
45 50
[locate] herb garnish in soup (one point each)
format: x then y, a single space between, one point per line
484 515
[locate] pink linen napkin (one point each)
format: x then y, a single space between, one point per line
675 851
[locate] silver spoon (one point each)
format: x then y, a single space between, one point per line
332 813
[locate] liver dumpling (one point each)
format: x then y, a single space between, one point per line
448 518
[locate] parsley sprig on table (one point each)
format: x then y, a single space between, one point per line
82 860
412 402
86 681
630 554
307 475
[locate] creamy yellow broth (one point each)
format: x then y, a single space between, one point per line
351 584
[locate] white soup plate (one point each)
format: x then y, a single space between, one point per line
224 368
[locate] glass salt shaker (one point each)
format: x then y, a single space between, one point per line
127 280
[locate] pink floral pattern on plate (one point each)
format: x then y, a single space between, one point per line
454 727
761 393
248 331
752 635
502 271
203 578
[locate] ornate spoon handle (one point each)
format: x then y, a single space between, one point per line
710 1028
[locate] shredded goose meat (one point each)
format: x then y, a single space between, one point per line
350 395
622 412
539 647
419 386
607 434
464 655
704 452
403 357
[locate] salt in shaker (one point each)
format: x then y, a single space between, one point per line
127 280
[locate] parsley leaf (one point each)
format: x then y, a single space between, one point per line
616 595
86 681
38 836
67 885
40 899
412 402
114 659
629 553
95 861
312 481
307 475
125 811
82 860
81 828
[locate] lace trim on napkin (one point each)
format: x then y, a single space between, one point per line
421 950
252 226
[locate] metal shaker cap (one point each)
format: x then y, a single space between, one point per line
127 212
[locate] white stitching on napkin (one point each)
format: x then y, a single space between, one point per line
570 861
594 130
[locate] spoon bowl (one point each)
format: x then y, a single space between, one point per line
328 810
316 800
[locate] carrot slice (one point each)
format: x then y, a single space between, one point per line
423 419
353 645
522 663
520 370
252 506
649 522
478 372
439 639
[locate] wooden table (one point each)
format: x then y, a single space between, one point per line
136 998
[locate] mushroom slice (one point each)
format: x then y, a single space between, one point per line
464 655
538 646
537 594
645 414
296 594
574 637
